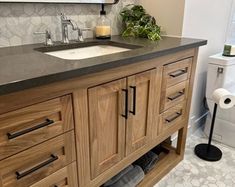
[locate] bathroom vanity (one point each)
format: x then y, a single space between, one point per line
80 122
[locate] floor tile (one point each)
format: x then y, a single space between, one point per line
194 172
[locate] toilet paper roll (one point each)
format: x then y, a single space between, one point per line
223 98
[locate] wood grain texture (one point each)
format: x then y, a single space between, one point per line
171 114
107 125
65 177
155 131
179 91
61 146
139 125
59 110
81 116
175 68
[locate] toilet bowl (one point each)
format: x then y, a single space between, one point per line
221 74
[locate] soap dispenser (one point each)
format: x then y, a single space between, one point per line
103 27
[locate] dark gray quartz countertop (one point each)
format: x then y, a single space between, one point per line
23 67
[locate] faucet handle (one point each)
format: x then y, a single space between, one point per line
63 16
48 40
80 34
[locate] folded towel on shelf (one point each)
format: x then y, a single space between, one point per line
131 179
118 176
147 162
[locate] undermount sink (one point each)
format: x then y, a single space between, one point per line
87 52
79 51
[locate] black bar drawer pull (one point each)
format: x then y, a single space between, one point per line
173 118
126 104
20 133
134 100
176 96
178 73
20 175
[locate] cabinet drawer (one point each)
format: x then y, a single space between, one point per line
174 95
65 177
38 162
173 117
32 125
176 72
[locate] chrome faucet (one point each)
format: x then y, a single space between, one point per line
64 24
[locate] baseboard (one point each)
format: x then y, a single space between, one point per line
196 124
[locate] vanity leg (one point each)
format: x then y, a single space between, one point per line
182 135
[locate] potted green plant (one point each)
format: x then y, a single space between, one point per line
137 23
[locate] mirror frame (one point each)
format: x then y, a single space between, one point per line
54 2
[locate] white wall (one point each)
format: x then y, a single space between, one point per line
207 19
168 13
231 28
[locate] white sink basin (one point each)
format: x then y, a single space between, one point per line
87 52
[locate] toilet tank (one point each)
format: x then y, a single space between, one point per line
221 74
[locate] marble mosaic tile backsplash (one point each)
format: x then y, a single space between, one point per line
19 21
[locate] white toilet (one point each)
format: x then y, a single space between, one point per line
221 74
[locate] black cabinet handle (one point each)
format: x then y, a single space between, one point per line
176 96
20 133
178 73
20 175
126 104
173 118
134 100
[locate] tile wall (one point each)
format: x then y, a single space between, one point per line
19 21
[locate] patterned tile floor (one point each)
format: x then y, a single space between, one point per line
194 172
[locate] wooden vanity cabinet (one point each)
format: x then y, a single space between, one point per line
83 131
120 118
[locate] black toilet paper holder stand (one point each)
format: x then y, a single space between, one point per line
208 151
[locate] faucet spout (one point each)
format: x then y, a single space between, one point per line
74 25
64 24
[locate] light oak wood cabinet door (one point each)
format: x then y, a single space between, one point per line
142 102
107 125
